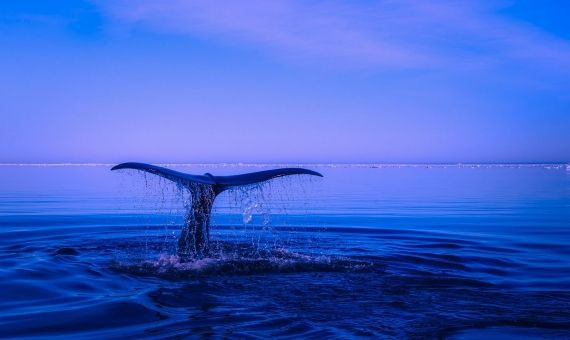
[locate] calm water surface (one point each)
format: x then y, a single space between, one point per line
389 252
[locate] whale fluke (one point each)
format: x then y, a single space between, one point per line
194 238
220 183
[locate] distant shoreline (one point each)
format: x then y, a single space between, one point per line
315 165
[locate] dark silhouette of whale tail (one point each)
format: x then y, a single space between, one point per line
194 238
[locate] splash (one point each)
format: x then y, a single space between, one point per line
243 260
195 235
248 210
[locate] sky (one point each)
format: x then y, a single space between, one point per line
284 81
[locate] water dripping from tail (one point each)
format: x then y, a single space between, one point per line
194 240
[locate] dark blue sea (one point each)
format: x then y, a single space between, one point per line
381 251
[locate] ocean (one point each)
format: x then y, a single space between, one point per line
459 251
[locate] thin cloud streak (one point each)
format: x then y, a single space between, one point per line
383 34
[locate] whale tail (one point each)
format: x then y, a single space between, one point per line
194 238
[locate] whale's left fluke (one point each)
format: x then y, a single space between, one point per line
194 238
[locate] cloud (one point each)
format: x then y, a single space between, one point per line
385 34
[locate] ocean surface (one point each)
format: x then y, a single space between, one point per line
383 251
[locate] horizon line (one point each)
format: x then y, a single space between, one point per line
319 164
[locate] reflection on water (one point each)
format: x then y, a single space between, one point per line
416 252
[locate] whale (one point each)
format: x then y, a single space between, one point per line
194 239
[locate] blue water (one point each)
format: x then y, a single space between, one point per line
461 252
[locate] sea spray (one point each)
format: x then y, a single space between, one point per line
241 214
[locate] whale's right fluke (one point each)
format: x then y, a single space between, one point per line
194 237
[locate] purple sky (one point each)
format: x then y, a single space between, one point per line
284 81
